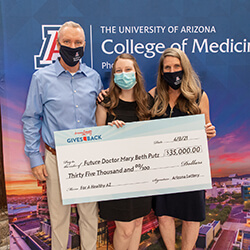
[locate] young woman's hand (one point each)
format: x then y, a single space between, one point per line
117 123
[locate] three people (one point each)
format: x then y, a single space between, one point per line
55 102
62 96
127 101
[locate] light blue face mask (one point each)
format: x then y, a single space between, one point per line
125 80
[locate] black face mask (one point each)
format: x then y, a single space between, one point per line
173 79
71 56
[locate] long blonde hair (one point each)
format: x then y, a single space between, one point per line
141 96
190 86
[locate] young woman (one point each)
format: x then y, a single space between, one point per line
178 93
127 101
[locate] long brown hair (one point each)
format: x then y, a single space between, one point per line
190 86
140 93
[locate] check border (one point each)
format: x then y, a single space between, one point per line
107 134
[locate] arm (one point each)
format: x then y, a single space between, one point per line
31 128
204 106
152 92
100 115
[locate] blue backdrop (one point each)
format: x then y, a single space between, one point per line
113 24
214 34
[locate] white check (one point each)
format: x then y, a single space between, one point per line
140 159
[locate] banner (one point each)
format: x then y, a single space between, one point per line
214 34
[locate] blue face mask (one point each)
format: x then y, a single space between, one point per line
125 80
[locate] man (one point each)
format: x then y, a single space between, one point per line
62 96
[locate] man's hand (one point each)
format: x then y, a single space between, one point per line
102 94
40 172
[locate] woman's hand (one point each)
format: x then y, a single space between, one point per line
117 123
210 130
102 94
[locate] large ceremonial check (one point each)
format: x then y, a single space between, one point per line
140 159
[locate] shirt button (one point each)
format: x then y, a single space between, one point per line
72 77
76 106
78 120
74 91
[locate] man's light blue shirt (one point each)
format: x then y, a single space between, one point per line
58 101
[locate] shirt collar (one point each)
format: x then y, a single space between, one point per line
82 69
59 68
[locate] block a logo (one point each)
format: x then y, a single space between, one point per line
48 52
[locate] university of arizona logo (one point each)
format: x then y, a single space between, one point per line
177 80
48 52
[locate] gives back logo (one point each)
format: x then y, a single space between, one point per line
84 136
48 52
